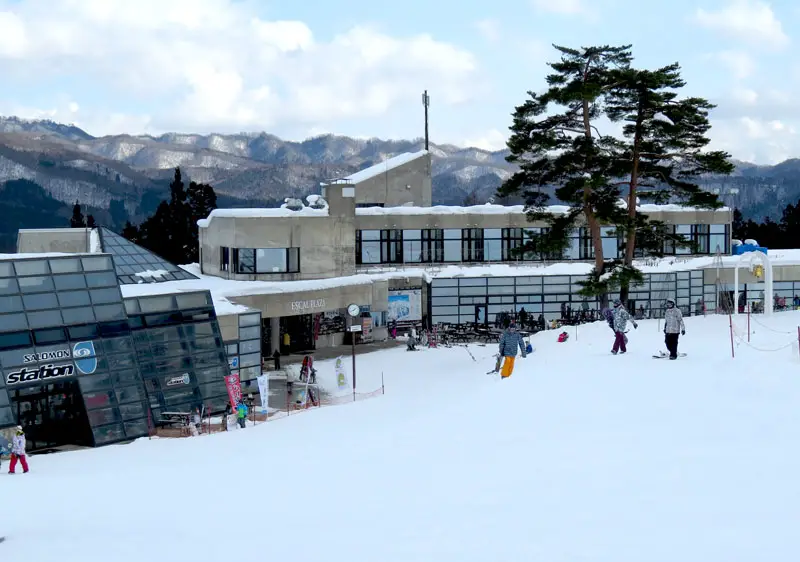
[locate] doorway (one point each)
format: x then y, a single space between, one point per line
52 415
300 330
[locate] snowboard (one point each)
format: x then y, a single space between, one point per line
662 355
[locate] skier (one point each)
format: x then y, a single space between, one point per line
509 342
673 324
18 451
621 318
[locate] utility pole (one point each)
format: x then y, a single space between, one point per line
426 101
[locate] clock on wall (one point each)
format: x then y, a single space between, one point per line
353 310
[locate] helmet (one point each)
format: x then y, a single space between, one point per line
617 303
19 430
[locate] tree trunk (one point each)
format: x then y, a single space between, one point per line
591 220
630 235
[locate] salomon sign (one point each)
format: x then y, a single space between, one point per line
43 373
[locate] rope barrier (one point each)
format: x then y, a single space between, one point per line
741 340
753 317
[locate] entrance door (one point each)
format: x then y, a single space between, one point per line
301 333
52 415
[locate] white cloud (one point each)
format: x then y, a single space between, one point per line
756 140
212 65
748 21
489 140
740 64
564 7
489 29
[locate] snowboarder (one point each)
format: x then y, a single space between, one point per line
509 342
673 325
620 322
18 451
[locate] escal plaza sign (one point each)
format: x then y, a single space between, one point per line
83 358
299 306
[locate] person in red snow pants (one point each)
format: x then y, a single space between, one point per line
18 452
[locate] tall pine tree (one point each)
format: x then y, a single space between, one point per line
171 231
77 220
663 148
555 142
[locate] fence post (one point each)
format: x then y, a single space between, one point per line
383 386
748 322
730 319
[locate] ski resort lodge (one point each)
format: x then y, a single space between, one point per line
99 337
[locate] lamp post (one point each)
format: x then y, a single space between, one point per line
426 102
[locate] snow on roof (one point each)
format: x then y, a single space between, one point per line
6 257
261 214
385 166
776 257
489 209
223 290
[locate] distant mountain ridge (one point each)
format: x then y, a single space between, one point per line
131 172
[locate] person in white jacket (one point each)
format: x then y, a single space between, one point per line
18 451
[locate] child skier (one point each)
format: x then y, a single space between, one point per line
509 342
673 325
18 452
621 318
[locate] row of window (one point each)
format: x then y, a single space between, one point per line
504 244
259 260
24 268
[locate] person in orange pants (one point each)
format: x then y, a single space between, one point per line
509 341
18 452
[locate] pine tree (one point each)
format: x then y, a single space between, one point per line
131 232
663 147
202 200
77 220
565 149
90 223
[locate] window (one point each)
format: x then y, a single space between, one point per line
451 244
65 266
224 259
493 244
35 284
67 282
245 260
472 244
46 337
718 239
32 267
368 246
10 304
412 246
701 238
512 242
365 205
685 231
391 246
277 260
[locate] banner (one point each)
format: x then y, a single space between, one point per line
263 391
234 387
405 306
341 377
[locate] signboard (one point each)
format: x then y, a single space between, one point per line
83 362
405 306
341 377
366 329
234 387
263 391
355 328
301 306
180 380
234 363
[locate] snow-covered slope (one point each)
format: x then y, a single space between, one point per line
579 456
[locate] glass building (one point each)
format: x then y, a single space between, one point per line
82 366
